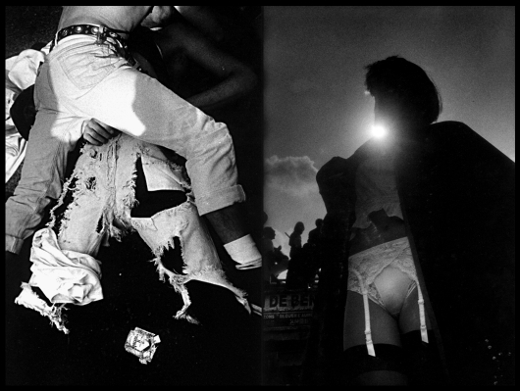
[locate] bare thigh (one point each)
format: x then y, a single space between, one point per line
409 318
385 328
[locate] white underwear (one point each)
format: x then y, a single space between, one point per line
393 262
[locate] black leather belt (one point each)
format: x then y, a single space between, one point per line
100 32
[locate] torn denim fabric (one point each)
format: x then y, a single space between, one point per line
82 78
64 276
98 199
20 73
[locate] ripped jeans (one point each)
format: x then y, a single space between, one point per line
99 198
83 79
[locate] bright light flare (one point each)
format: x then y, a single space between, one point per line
379 131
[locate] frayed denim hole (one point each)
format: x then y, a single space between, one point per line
60 210
99 227
90 183
149 203
172 257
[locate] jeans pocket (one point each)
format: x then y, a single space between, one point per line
87 66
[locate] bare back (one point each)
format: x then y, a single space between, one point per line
123 18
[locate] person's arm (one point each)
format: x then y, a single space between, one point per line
236 78
236 81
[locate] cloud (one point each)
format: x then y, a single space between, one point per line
282 240
294 175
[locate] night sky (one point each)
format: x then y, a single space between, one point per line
315 106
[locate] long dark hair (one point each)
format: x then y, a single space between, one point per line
299 227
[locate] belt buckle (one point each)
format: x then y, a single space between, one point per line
101 34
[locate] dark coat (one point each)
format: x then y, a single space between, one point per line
457 196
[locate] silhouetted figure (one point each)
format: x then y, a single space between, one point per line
274 260
313 249
295 240
418 285
267 249
315 234
296 272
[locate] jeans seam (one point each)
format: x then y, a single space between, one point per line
82 51
47 184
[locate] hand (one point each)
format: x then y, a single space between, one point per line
159 16
98 133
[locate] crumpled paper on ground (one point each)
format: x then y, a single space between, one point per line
142 343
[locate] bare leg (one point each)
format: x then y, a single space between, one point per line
409 317
230 226
384 331
384 327
228 223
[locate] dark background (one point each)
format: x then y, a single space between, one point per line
224 349
27 25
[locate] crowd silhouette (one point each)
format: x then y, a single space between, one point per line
303 263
